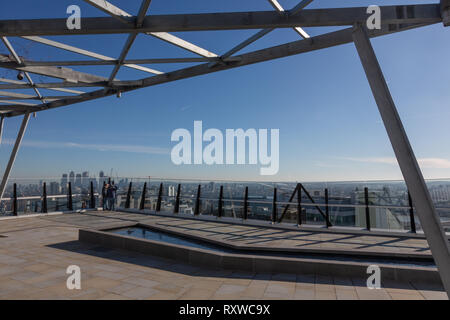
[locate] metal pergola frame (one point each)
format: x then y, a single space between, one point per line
393 19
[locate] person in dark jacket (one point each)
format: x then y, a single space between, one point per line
104 196
111 196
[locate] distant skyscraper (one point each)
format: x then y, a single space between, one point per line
54 188
85 178
171 191
78 180
101 178
64 180
72 177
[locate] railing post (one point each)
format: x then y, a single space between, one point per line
44 198
14 204
197 201
144 192
245 213
299 204
366 199
92 204
128 200
220 204
158 203
411 214
274 206
69 197
327 210
176 209
57 204
109 180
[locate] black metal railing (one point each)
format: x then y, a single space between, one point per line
274 203
299 198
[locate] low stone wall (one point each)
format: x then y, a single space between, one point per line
254 262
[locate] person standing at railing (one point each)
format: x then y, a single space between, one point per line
105 196
111 196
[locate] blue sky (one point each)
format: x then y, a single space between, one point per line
330 128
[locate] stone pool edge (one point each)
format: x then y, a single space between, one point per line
253 263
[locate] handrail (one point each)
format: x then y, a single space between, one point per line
52 196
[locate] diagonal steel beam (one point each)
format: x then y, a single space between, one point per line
12 158
429 218
124 17
299 7
263 32
19 103
2 119
50 71
19 61
54 89
130 40
87 53
280 9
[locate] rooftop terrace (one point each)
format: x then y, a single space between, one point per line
36 250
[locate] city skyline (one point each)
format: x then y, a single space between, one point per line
330 128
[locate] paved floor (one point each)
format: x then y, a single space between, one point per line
36 251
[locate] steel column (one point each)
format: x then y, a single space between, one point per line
220 204
44 198
176 209
158 204
69 197
2 118
407 161
411 214
12 158
299 204
197 201
92 204
245 213
144 193
366 201
274 206
327 209
128 200
14 204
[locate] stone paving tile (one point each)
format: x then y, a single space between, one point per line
33 264
141 282
140 293
365 293
197 294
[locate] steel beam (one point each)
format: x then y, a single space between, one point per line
18 60
109 62
86 53
2 120
19 103
407 161
124 17
14 151
297 47
262 32
130 40
445 12
425 13
54 89
280 9
57 85
55 72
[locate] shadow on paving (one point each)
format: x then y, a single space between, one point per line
143 260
